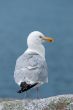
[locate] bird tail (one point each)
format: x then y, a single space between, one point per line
24 86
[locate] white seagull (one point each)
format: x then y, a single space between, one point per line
31 67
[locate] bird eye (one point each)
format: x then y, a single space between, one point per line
40 36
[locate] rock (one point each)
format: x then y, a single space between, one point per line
61 102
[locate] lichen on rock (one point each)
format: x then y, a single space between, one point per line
61 102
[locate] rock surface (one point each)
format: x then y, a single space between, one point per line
61 102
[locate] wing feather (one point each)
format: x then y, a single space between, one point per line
30 68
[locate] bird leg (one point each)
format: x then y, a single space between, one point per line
37 92
26 94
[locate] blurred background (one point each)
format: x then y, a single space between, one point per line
52 17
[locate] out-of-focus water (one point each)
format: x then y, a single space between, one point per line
52 17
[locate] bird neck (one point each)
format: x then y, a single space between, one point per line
37 48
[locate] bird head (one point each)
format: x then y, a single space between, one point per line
38 38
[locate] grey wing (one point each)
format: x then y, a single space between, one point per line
30 68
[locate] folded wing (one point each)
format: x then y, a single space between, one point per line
31 68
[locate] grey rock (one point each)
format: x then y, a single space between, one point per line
61 102
70 106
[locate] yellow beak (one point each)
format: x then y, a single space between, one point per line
48 39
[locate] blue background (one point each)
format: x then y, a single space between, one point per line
52 17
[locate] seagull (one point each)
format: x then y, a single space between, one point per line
31 69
